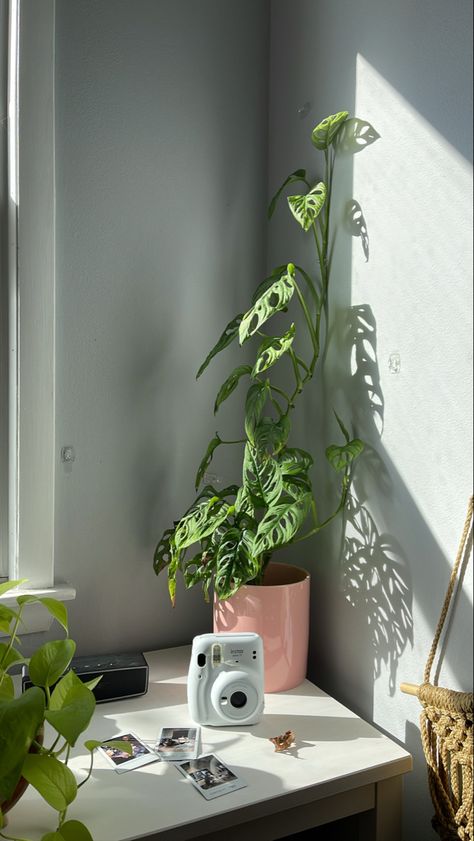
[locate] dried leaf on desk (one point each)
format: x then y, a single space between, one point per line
283 742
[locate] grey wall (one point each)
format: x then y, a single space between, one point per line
379 578
161 118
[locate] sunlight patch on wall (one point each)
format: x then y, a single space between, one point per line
412 265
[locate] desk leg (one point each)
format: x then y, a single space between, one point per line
384 822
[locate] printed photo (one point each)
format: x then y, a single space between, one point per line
211 776
178 743
123 761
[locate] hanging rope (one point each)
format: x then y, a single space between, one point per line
446 725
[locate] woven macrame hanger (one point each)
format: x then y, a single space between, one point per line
446 728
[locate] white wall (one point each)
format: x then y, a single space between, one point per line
161 114
378 584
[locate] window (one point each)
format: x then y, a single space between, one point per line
27 254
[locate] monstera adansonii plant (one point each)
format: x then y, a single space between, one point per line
227 537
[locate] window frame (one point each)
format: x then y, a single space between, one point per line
32 301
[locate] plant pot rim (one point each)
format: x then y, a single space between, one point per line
281 571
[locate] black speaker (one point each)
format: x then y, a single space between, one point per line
123 675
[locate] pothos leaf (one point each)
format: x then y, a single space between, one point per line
75 830
297 175
231 384
54 780
341 457
272 301
271 349
213 444
306 209
281 523
10 585
255 401
325 132
261 477
227 337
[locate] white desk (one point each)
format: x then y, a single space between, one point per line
340 766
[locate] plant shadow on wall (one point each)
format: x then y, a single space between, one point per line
374 570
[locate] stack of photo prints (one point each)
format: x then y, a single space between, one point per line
180 747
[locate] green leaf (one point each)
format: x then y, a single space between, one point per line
71 707
213 444
91 684
10 656
56 608
203 519
51 778
75 831
162 556
20 720
92 744
50 661
243 503
235 562
294 461
325 132
271 349
10 585
227 337
271 435
7 688
297 486
306 209
297 175
281 523
231 384
262 477
200 568
254 403
270 302
268 281
342 427
341 457
6 617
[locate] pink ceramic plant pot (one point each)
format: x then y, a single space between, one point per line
278 610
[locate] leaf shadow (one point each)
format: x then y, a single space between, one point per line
364 385
356 225
354 136
376 580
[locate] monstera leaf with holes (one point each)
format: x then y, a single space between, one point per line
276 346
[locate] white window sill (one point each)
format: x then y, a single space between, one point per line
35 617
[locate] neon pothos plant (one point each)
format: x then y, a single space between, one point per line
237 529
67 709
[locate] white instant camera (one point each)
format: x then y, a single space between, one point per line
225 679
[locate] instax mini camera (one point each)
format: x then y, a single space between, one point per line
225 679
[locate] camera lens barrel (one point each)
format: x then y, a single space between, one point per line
238 699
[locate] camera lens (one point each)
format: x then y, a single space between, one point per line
238 699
